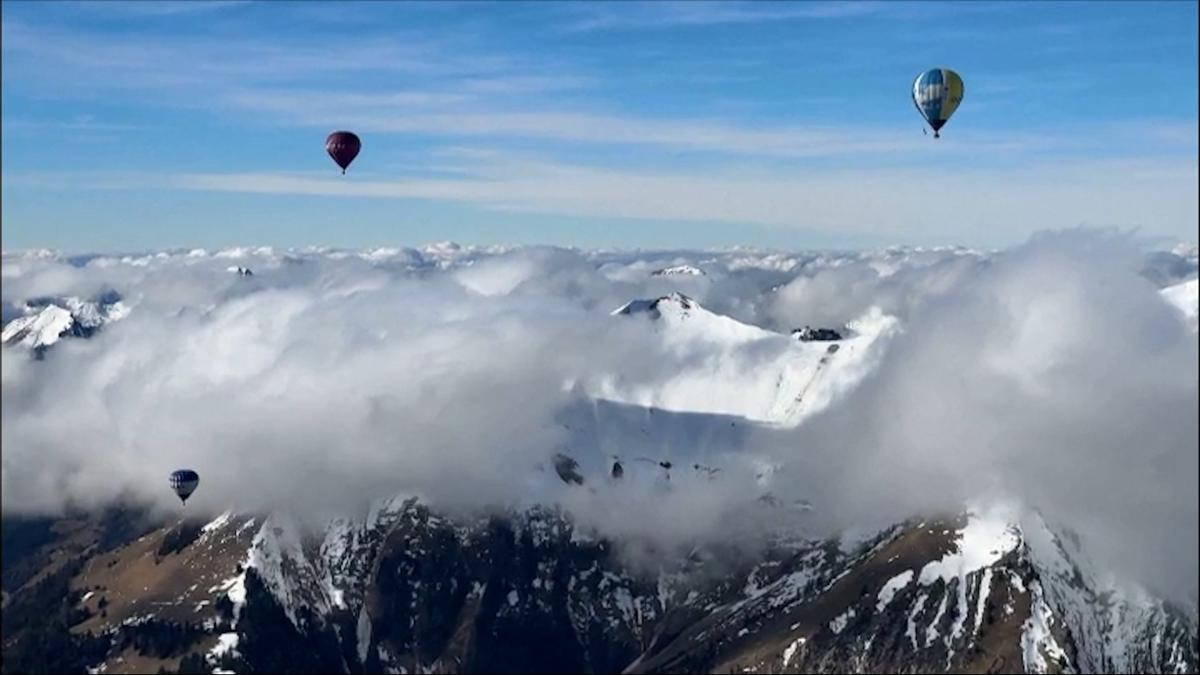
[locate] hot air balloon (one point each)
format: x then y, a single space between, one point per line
343 147
184 482
937 93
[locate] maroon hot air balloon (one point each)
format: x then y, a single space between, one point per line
343 147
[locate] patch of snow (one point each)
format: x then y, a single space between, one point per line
839 623
364 634
624 601
137 620
217 523
226 645
1017 582
791 651
1037 642
912 616
932 633
985 539
985 589
893 585
235 588
337 598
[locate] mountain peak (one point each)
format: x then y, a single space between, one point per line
46 320
40 329
679 270
675 300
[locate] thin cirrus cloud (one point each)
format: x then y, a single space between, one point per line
1160 197
104 59
463 112
157 9
651 15
380 114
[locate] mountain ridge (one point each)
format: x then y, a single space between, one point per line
409 588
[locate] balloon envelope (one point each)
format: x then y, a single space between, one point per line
937 93
184 482
343 147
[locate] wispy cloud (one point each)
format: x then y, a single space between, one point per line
649 15
406 113
114 59
1159 196
155 9
464 115
523 84
82 122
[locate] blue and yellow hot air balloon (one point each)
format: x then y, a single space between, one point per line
937 93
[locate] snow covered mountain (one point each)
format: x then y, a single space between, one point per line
45 321
679 270
745 370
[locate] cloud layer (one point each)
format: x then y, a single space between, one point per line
1054 374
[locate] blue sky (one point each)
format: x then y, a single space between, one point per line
130 126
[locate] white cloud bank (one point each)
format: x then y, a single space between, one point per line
1054 373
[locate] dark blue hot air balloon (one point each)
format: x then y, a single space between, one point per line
184 482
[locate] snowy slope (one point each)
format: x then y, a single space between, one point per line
677 311
45 323
679 270
737 369
288 570
986 592
40 329
1114 627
